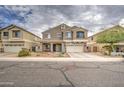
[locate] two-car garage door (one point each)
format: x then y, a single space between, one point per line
74 48
12 48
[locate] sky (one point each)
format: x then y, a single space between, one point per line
37 19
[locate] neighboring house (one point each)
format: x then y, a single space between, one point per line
64 38
14 38
96 47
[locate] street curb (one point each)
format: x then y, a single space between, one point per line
63 59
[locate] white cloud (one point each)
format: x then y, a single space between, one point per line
42 18
92 17
98 18
121 22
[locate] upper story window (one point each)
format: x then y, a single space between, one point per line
16 34
59 35
69 34
48 36
80 34
5 33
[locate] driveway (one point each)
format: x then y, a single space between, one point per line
8 54
84 55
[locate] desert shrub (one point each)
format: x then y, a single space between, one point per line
23 53
108 48
61 54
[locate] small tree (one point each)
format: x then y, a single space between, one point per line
108 48
24 52
111 37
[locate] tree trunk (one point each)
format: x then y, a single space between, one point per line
112 46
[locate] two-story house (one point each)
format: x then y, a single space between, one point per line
14 38
93 46
64 38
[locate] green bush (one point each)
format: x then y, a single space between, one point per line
122 55
23 53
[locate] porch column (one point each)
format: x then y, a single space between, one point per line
51 47
63 47
41 47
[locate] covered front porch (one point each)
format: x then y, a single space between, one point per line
53 47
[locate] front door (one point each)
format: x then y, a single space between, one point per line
54 47
34 49
94 49
57 47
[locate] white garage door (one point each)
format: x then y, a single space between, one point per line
76 48
12 48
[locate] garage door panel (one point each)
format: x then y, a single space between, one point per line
12 48
74 48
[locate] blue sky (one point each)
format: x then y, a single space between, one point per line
37 19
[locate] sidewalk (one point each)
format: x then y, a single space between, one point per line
30 59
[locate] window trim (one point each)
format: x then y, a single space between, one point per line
14 34
77 36
5 35
48 35
59 34
70 34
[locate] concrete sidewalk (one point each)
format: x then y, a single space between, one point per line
84 55
30 59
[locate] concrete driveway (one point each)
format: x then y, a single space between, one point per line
8 55
84 55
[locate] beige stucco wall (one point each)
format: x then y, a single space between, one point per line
53 32
24 35
28 38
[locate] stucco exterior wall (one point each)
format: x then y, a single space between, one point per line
26 39
53 32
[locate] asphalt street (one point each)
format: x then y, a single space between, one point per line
61 74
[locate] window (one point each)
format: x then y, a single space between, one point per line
80 34
16 34
48 36
47 46
5 34
59 35
68 34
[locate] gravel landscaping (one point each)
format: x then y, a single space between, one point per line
49 54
